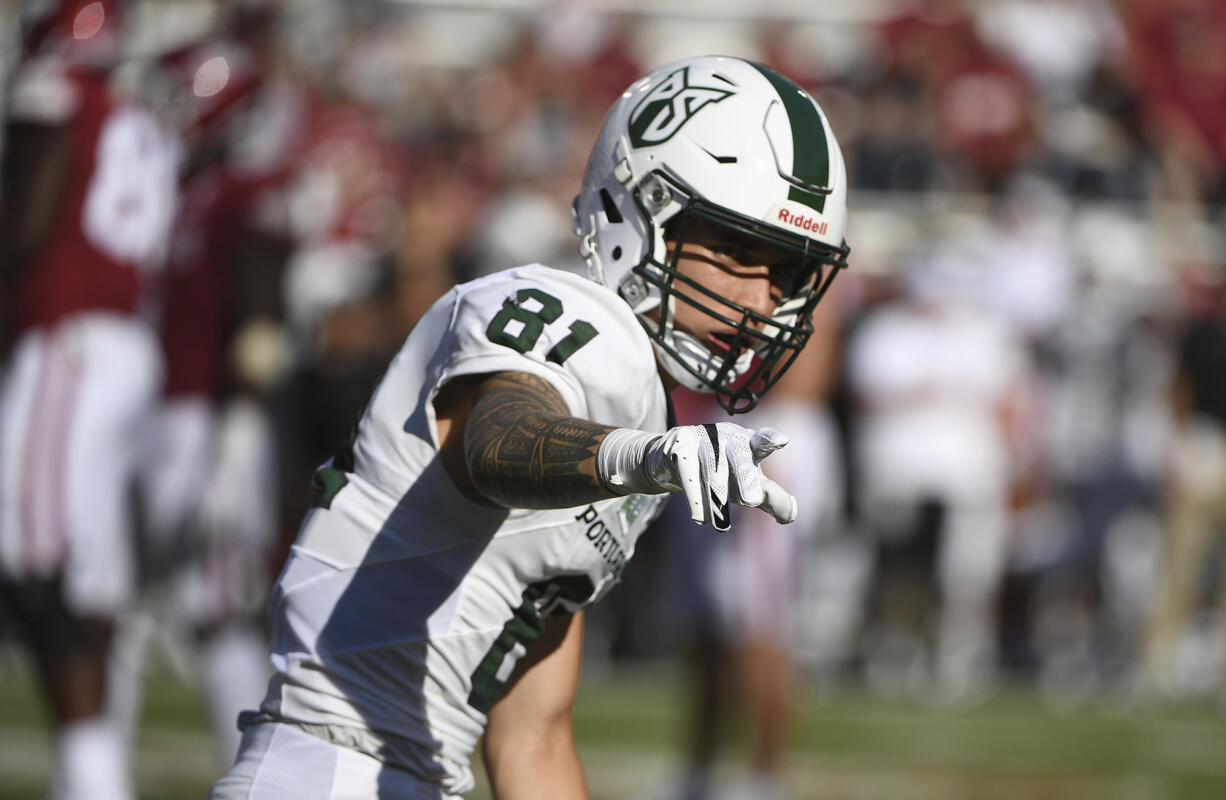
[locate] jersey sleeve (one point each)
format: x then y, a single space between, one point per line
565 329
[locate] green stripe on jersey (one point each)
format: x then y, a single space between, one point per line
810 151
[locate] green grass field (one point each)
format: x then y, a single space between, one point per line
847 746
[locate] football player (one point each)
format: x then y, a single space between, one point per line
89 193
747 589
206 477
520 442
939 383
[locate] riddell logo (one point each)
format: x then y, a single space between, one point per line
804 223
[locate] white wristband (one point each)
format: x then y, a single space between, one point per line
621 462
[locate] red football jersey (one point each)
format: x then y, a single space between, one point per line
113 221
218 208
195 314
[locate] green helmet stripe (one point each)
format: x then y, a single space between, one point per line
810 150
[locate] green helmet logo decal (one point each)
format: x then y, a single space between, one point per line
667 107
810 150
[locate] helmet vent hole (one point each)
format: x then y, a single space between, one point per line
728 81
617 253
610 208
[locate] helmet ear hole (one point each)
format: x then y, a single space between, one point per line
610 208
617 253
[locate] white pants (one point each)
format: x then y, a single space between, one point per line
209 481
969 569
757 566
209 495
72 403
280 762
174 468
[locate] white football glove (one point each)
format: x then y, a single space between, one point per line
711 464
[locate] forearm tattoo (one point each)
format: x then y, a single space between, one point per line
525 450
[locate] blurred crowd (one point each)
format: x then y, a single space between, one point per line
1018 447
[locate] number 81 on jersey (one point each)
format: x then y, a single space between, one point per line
530 324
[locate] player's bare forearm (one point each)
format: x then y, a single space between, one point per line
540 775
529 747
524 450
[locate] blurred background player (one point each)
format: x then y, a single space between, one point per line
89 195
208 473
936 380
1197 503
748 585
343 300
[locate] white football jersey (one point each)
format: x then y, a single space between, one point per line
405 604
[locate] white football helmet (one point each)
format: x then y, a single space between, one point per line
715 141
